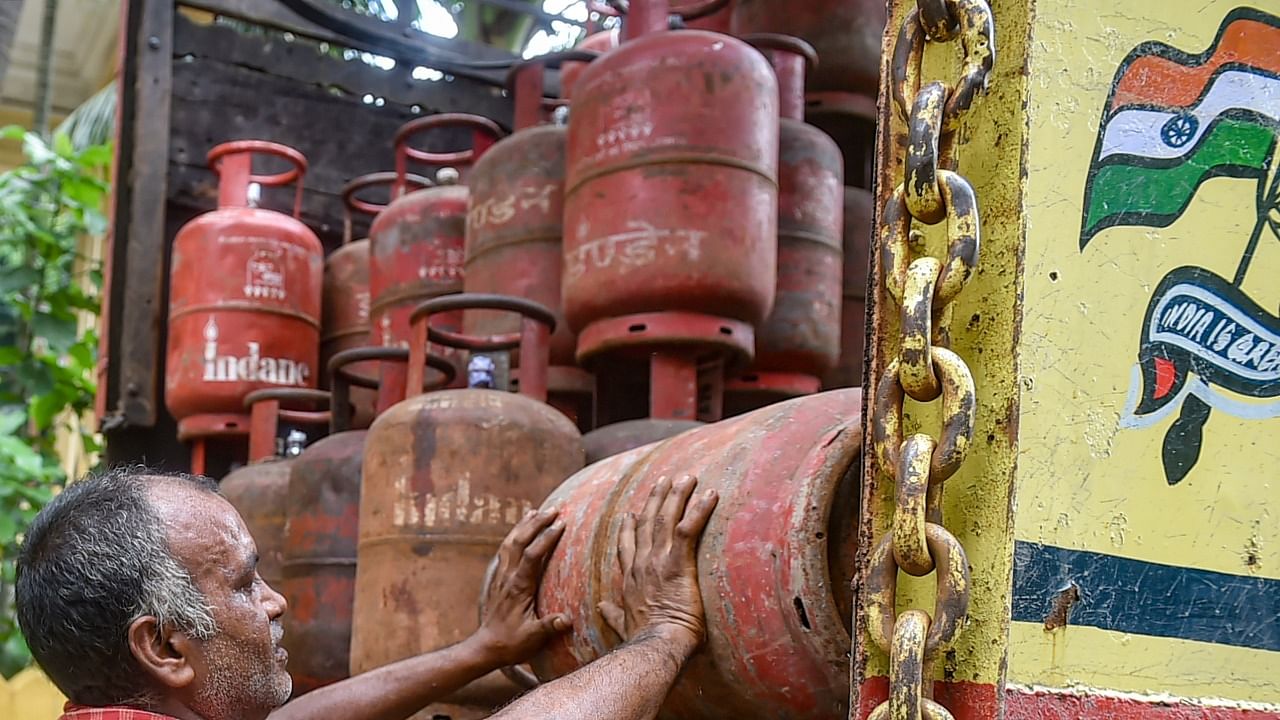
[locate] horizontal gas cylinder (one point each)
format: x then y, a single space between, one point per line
774 563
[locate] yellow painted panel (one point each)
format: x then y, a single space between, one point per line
1088 657
1145 186
976 500
30 696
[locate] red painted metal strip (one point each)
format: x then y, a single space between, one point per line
975 701
872 692
1023 705
968 700
965 700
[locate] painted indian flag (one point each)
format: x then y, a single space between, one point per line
1175 120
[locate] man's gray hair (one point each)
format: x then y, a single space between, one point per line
95 560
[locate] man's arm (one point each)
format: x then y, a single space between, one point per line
509 634
662 616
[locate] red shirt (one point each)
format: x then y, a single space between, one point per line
80 712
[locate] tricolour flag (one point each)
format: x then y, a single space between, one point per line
1174 120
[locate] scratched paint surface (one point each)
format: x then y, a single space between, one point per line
984 329
1149 461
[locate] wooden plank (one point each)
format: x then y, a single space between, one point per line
303 61
139 246
232 86
351 30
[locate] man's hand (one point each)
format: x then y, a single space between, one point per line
658 557
510 631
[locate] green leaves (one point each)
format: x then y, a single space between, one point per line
48 207
56 327
11 420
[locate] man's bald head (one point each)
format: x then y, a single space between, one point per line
93 561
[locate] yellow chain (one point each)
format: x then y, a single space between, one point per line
925 369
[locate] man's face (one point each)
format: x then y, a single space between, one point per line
240 671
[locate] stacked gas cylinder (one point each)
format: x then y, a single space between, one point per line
683 250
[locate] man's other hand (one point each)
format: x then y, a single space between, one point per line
657 553
510 631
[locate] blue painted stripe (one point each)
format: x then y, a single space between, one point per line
1145 598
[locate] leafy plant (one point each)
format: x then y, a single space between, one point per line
47 206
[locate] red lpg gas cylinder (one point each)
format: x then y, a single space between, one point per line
774 563
345 322
850 120
713 15
671 201
244 298
416 245
599 43
714 21
258 490
515 223
846 33
514 228
619 437
800 340
699 236
321 511
859 211
446 475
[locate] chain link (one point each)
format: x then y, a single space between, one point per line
925 369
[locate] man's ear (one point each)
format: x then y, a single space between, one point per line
164 654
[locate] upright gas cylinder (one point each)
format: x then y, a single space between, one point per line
321 511
417 244
846 33
617 438
598 43
446 475
774 563
244 298
850 120
859 211
515 226
714 16
800 340
670 243
258 489
345 322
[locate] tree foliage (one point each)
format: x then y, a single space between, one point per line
47 206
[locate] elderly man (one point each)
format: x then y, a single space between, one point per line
139 597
